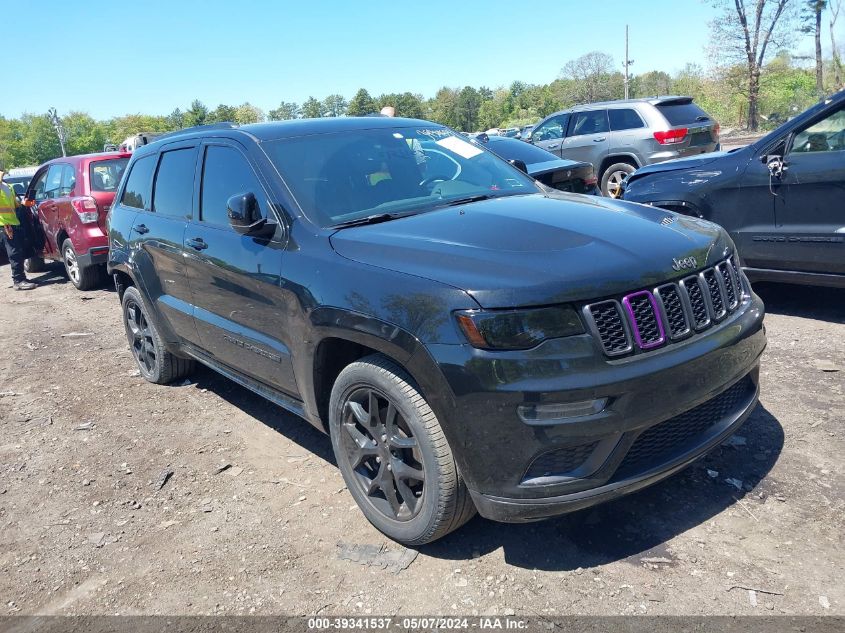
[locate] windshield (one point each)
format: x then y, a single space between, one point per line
344 176
106 174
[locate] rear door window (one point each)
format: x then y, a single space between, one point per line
624 119
682 113
173 193
137 191
105 175
590 122
226 173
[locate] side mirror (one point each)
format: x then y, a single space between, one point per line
775 165
245 216
519 164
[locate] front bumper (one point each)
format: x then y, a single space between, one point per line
518 471
627 480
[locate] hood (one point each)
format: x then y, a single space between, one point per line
535 249
691 162
549 166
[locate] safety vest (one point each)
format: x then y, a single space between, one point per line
7 206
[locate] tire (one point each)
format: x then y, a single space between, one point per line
34 265
82 277
612 178
406 438
154 361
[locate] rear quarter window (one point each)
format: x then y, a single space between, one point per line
105 175
624 119
138 186
682 113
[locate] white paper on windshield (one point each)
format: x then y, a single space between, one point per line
459 147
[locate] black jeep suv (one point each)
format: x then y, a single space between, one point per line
470 339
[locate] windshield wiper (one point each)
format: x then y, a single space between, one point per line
468 199
376 218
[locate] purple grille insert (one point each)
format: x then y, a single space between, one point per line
640 321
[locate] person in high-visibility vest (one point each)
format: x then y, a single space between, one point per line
12 234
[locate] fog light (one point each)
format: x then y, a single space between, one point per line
554 412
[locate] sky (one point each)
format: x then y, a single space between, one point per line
151 56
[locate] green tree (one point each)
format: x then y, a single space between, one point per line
593 78
312 109
176 119
406 104
286 110
444 107
362 104
222 113
248 113
196 114
84 134
334 105
468 105
651 84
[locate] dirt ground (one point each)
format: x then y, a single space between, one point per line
84 528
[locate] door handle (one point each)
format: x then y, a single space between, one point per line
600 139
141 228
197 243
555 146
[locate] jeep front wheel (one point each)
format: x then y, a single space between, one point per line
393 455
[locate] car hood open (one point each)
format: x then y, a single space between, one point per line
536 170
535 249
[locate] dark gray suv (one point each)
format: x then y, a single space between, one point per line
618 137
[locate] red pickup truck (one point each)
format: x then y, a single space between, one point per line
71 197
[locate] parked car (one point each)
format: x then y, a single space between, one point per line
525 132
468 339
70 197
511 132
554 172
780 198
617 137
18 178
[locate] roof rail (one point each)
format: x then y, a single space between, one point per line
226 125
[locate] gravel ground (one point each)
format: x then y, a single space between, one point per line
92 523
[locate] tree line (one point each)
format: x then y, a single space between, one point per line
752 81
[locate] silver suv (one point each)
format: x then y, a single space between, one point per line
617 137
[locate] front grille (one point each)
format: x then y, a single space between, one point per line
662 441
641 308
730 287
559 462
673 308
607 318
696 302
716 299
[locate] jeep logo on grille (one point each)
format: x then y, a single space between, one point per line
683 264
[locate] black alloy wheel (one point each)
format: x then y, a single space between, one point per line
141 338
383 454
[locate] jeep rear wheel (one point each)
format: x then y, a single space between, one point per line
613 177
155 362
393 455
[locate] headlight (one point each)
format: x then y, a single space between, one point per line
518 329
